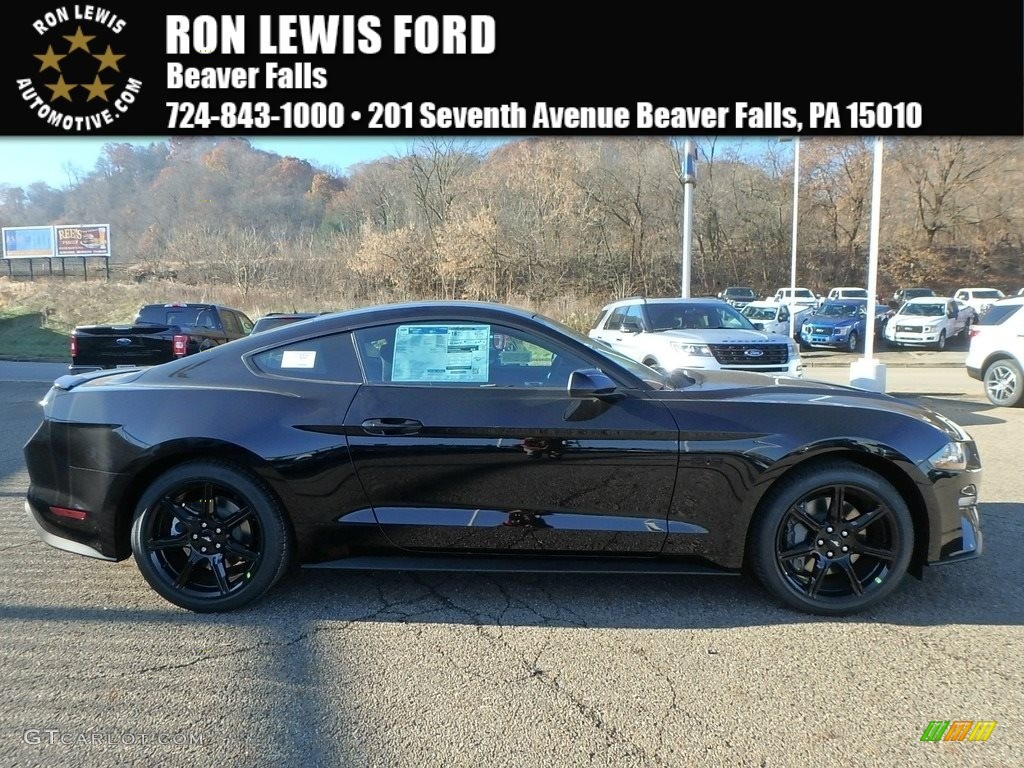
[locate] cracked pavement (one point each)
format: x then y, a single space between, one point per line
388 670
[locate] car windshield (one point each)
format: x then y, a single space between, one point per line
835 309
854 293
759 313
988 294
739 293
911 293
669 316
924 310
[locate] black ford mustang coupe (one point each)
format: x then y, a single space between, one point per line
474 436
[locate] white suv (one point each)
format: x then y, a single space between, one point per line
979 298
798 298
996 354
693 333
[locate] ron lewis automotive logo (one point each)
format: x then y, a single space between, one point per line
78 77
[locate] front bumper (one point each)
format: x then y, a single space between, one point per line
954 521
915 339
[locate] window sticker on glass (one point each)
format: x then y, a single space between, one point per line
452 353
295 358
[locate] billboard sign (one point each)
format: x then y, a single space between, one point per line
28 242
83 239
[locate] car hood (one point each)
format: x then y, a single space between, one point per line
831 322
718 336
918 319
786 390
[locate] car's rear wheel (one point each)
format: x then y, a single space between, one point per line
208 536
833 539
1004 383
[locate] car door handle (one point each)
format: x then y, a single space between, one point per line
391 426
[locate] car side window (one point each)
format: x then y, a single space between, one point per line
231 324
460 353
326 358
247 324
615 318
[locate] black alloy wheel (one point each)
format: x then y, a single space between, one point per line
208 536
833 540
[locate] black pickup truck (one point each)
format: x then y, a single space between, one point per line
159 334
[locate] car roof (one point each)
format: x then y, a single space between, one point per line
668 300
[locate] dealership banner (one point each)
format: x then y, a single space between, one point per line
729 68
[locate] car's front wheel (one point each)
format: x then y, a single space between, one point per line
852 342
1004 383
209 536
941 343
833 539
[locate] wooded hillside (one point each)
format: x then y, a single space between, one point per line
593 218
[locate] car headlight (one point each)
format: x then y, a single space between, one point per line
842 330
693 350
950 456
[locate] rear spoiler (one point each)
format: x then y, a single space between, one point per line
72 380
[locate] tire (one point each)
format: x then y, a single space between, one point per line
1004 383
798 534
853 342
246 537
941 343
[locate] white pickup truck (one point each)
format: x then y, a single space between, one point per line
927 321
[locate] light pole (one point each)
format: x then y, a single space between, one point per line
868 372
792 261
689 179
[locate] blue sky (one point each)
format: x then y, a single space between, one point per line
25 160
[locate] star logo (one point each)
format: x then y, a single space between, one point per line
78 84
97 90
108 60
50 60
61 90
79 40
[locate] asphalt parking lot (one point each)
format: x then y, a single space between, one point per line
386 669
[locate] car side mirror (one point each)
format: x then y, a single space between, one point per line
589 382
758 326
630 325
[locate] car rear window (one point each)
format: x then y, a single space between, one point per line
172 315
998 313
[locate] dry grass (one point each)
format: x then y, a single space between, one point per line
65 303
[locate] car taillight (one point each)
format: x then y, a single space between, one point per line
180 345
972 332
70 514
74 347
